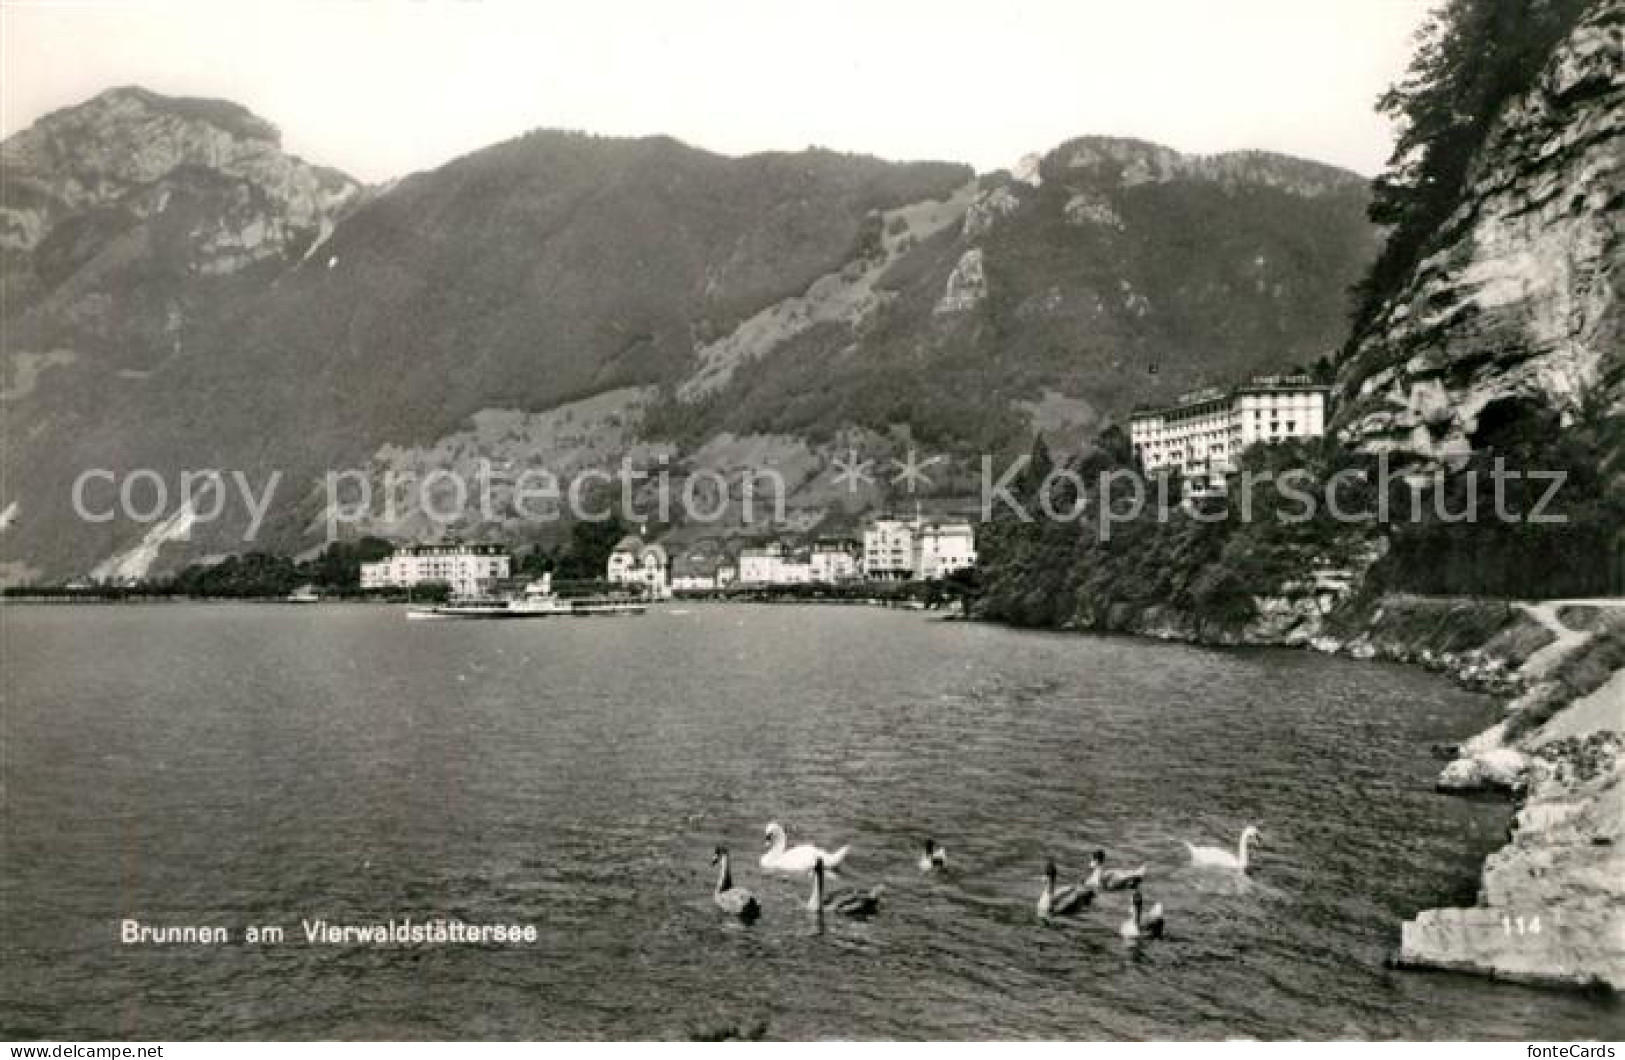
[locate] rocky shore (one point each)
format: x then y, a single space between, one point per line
1551 907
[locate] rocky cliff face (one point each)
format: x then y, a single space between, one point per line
129 156
1127 163
1520 296
1518 304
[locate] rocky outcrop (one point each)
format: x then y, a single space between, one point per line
1520 295
967 284
844 297
129 155
986 209
1550 909
1495 769
1114 161
1084 208
1027 169
1552 904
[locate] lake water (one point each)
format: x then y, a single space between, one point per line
241 765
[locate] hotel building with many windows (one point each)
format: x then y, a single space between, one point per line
468 569
1202 435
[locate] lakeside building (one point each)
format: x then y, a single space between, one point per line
759 563
774 564
942 548
904 549
645 565
700 571
888 549
468 569
1202 435
836 559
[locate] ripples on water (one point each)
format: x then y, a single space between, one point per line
244 765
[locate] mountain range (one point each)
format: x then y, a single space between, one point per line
180 293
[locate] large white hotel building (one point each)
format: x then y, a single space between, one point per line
468 569
1201 435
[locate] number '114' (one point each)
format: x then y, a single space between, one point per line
1518 925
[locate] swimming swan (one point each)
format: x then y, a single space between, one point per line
1103 879
1063 902
1220 858
847 901
1141 924
735 901
935 858
797 859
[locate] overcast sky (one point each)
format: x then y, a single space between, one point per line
380 88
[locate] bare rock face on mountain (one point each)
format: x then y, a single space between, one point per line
208 177
1520 297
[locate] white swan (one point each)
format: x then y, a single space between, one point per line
1220 858
796 859
735 901
1141 924
1103 879
935 858
1063 902
847 901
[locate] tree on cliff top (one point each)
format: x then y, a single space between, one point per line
1472 56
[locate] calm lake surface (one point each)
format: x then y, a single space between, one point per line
240 765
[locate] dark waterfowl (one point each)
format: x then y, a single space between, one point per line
735 901
1103 879
847 901
1142 924
1063 901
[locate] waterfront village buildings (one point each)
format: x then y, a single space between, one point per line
912 549
892 550
774 564
827 561
835 560
888 549
942 548
902 549
1201 435
635 563
468 569
896 549
701 570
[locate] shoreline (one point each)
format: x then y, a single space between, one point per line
1551 905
